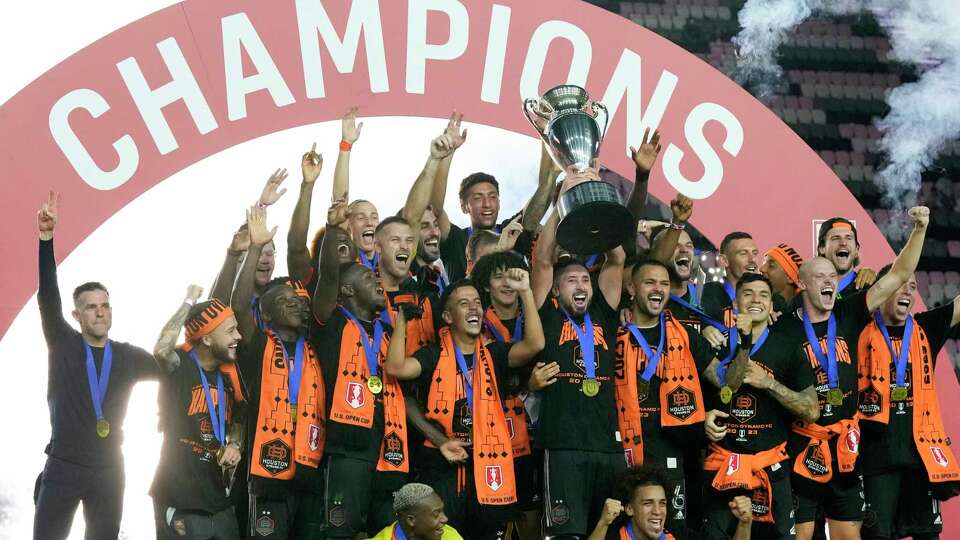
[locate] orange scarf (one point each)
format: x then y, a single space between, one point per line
353 402
745 471
814 462
280 443
420 332
515 412
625 535
681 400
929 434
492 451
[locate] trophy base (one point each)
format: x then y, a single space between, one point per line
592 219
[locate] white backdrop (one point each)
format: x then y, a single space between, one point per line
148 252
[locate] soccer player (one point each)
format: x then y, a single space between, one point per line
738 256
89 380
420 515
781 266
837 241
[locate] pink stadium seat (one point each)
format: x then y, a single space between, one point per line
842 172
922 278
626 8
859 146
936 277
846 130
935 295
952 277
828 157
953 248
856 173
843 158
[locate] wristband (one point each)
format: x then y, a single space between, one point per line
677 226
260 204
345 146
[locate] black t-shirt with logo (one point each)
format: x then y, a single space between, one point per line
345 439
429 357
852 317
684 314
453 249
757 420
661 443
188 476
892 446
568 418
716 303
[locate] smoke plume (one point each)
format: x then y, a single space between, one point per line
924 115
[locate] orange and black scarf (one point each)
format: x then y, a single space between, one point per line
515 412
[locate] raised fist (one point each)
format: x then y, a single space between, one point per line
920 216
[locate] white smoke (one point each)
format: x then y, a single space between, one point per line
924 115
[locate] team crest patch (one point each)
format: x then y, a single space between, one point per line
744 407
314 437
337 516
494 476
939 456
265 526
510 428
393 449
275 457
853 441
759 502
681 403
870 402
355 396
733 464
559 514
628 455
814 460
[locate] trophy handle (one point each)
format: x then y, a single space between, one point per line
532 106
597 107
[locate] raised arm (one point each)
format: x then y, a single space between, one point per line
533 341
298 255
610 279
350 130
164 352
246 282
222 286
328 272
665 244
420 192
537 206
644 158
541 279
48 294
905 263
439 193
397 363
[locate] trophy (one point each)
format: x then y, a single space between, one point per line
592 216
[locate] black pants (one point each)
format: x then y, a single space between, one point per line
719 522
576 484
175 524
455 485
296 516
352 501
900 504
62 486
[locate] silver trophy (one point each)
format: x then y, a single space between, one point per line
592 216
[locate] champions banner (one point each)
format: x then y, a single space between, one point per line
165 92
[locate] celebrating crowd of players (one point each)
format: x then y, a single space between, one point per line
414 379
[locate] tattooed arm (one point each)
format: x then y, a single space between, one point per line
804 404
163 351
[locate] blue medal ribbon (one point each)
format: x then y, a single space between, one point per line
731 293
733 338
703 316
371 349
901 360
633 536
846 281
828 362
592 260
398 533
467 383
517 334
98 386
218 414
371 264
255 308
694 294
652 359
585 337
295 371
759 343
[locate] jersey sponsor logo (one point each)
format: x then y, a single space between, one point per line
494 476
939 456
853 440
314 437
681 403
265 525
206 428
815 461
567 333
733 464
559 514
355 395
579 362
743 407
275 457
871 402
393 449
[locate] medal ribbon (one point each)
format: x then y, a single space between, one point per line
371 264
467 383
827 362
652 359
371 349
703 316
591 261
218 415
517 329
398 533
98 386
694 294
846 281
901 360
733 338
294 371
760 340
630 533
585 337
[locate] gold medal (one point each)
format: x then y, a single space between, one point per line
293 412
220 452
375 384
642 387
103 428
835 397
591 387
726 394
899 393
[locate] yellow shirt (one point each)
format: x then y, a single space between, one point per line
449 533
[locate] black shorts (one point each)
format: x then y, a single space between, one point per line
296 515
575 485
175 524
841 499
529 472
720 522
456 486
352 501
900 504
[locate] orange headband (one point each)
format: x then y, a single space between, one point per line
298 288
205 322
840 225
788 259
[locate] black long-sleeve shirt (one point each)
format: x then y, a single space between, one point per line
73 421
